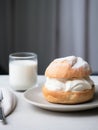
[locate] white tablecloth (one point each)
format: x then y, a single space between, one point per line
28 117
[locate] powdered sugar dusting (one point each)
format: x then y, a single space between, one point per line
70 59
75 62
80 63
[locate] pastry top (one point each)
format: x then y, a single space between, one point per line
68 68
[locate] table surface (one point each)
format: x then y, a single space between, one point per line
28 117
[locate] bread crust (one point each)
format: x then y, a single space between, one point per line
69 97
61 69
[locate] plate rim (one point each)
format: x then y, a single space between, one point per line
58 107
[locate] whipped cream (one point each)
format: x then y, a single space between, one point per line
68 85
75 62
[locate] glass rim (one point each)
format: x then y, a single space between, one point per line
23 55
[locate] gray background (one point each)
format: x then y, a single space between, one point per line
50 28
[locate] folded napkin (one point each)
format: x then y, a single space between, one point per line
9 101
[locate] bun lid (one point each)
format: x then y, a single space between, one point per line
68 68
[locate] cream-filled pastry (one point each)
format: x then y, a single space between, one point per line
68 81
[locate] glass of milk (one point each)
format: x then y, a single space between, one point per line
22 70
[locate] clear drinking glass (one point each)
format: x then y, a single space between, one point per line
22 70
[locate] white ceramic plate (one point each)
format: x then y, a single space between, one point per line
34 96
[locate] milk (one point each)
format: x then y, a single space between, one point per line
22 74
